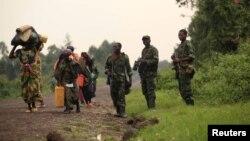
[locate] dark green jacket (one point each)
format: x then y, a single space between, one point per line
118 67
185 49
150 66
68 72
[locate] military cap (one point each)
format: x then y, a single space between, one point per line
146 37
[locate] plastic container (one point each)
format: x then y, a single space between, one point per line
59 96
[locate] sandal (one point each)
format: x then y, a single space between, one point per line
28 111
34 110
41 106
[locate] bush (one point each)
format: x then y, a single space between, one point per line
219 79
48 84
226 81
166 79
9 88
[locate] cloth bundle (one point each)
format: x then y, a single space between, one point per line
27 36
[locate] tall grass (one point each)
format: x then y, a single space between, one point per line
9 89
179 122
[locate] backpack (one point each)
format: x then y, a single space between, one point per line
75 68
57 73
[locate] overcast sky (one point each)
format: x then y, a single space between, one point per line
90 22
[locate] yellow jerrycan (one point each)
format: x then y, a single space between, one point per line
59 96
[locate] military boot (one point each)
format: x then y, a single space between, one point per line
122 112
117 112
77 107
189 101
67 110
151 103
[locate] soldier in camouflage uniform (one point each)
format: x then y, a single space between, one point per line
183 58
117 66
68 71
148 65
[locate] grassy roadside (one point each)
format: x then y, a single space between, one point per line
179 122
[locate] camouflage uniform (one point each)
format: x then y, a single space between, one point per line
68 80
116 66
94 77
148 73
185 71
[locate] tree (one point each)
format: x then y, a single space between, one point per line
49 60
9 67
100 54
215 23
3 49
92 50
4 58
186 2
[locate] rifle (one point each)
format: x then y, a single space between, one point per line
136 64
108 80
176 66
108 77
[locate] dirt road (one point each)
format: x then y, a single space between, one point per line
16 125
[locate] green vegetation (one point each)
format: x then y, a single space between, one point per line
220 85
221 93
220 79
100 54
8 89
226 82
166 79
216 23
222 74
178 121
